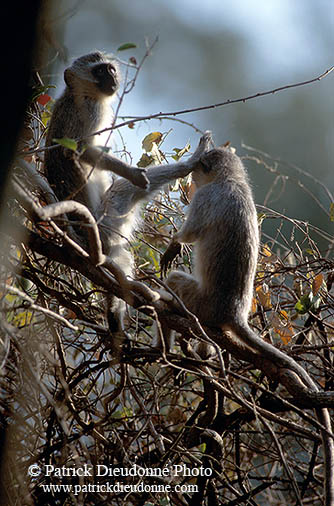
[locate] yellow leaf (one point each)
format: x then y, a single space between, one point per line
284 315
150 139
264 296
22 319
254 305
331 211
266 250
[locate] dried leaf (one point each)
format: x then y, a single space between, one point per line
263 295
317 282
254 305
285 332
191 190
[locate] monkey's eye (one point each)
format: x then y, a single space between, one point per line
104 69
111 69
105 75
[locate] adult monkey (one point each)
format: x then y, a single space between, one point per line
84 108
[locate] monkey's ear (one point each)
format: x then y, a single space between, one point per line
68 77
206 167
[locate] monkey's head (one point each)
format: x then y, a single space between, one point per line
218 162
94 75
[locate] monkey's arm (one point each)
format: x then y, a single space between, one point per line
189 231
150 180
160 175
103 161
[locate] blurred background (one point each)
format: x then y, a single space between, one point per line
208 52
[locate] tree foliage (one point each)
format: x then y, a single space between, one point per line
225 429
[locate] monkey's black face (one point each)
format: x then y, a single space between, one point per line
106 78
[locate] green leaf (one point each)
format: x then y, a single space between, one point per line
304 304
127 45
145 160
152 255
308 302
67 143
261 217
180 152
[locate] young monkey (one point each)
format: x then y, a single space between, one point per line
222 224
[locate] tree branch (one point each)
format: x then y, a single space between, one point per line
134 119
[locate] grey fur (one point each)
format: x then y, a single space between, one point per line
222 224
82 109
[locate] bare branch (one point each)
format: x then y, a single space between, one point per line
41 309
135 119
46 213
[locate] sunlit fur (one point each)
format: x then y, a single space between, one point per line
79 112
222 224
83 109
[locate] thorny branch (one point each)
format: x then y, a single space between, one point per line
229 101
65 400
68 256
173 114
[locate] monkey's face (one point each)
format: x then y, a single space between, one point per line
106 78
217 163
205 171
93 75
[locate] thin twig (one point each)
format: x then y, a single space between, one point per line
226 102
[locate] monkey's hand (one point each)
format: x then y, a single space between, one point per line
204 145
174 249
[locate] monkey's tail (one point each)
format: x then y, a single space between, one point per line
115 316
242 331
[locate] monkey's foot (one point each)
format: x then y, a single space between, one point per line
165 296
174 249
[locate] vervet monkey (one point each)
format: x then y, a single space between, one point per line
222 224
83 108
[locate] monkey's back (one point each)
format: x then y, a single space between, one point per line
226 252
